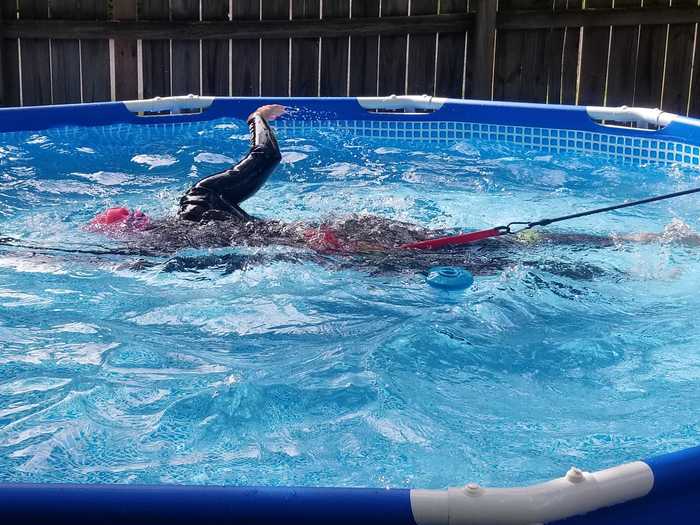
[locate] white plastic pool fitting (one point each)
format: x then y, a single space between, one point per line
577 492
408 103
171 104
643 117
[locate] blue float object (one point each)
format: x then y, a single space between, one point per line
450 278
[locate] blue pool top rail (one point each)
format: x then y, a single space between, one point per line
658 490
657 137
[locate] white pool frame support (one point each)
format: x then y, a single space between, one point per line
576 493
642 117
408 103
174 105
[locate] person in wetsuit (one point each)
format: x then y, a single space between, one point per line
210 212
210 215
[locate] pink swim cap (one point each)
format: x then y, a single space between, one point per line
119 219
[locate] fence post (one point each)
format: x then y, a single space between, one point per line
484 42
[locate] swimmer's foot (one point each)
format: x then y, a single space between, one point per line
676 232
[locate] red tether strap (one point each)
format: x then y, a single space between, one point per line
455 240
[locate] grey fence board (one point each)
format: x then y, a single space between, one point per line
245 54
35 57
420 77
392 52
364 53
125 55
450 66
215 53
305 59
155 54
275 52
185 53
334 53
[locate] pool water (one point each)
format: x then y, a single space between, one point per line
295 372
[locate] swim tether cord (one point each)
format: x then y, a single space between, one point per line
467 238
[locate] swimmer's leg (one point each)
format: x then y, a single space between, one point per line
218 196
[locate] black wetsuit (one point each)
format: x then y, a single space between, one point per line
218 196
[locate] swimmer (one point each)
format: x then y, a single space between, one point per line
210 215
210 212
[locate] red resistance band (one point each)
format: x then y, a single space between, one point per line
455 240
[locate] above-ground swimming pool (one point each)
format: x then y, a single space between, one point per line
283 366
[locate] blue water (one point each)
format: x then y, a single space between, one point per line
305 374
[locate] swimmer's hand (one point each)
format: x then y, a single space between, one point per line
270 112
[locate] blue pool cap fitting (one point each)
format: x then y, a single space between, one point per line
450 278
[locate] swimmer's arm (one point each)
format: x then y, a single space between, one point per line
263 141
261 160
219 196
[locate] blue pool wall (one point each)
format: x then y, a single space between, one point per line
673 499
547 127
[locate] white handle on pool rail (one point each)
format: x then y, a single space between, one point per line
172 104
408 103
642 116
576 493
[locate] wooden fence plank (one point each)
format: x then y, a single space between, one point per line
11 73
65 58
521 71
216 63
679 57
694 102
562 58
623 60
594 60
9 60
450 70
185 53
305 63
392 53
650 61
94 56
421 53
334 53
570 60
125 55
364 53
483 43
275 53
245 54
35 57
155 54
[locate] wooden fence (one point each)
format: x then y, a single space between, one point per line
600 52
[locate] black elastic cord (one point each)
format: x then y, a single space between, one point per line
545 222
16 243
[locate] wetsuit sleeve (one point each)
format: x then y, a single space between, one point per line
585 239
218 197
